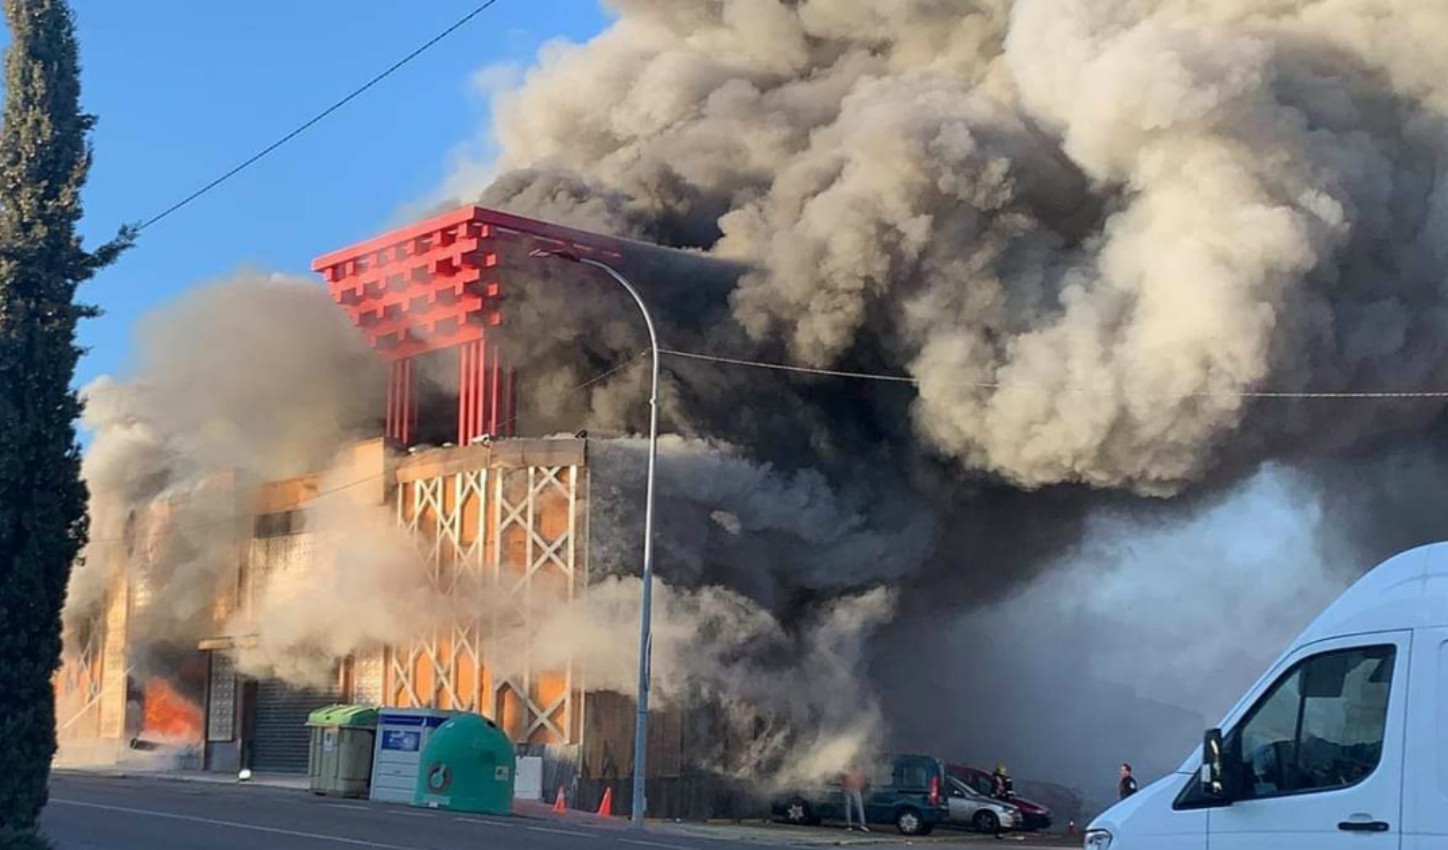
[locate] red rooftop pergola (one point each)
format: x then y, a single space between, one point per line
438 285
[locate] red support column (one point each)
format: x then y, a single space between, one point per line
394 401
510 426
401 406
471 391
464 393
409 403
494 405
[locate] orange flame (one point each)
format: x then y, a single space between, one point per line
168 715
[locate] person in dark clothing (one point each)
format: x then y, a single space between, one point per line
1001 786
1127 786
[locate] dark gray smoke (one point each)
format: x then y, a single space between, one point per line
1091 231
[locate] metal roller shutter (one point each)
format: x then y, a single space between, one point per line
282 739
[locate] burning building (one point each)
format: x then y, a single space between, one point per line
1176 267
476 498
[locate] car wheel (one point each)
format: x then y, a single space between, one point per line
986 821
798 812
910 822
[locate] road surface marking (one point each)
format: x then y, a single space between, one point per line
503 824
654 844
350 806
561 831
408 814
355 842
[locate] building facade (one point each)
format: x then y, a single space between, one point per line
490 512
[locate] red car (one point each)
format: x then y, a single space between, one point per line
1034 816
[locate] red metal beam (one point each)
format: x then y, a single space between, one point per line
512 224
438 284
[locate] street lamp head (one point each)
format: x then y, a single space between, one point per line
557 253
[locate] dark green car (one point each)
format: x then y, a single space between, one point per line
904 790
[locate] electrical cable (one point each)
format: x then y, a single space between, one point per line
902 379
318 118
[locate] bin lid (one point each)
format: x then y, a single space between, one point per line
466 735
345 716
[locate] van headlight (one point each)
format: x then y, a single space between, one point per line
1098 839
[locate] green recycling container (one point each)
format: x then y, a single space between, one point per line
341 754
467 766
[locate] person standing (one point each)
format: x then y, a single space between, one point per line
853 785
1001 786
1127 786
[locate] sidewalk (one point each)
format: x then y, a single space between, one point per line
288 781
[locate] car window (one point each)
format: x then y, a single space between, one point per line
1319 727
882 774
913 774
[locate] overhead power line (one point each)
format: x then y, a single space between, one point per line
319 117
783 367
999 385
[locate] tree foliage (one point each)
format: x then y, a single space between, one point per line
44 157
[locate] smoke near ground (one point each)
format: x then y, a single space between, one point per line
1130 645
260 378
1091 231
358 583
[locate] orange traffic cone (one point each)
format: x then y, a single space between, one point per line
605 808
560 804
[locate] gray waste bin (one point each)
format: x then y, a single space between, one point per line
341 753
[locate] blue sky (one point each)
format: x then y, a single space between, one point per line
185 89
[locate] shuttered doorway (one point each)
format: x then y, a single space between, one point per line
282 739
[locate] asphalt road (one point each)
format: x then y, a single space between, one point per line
94 813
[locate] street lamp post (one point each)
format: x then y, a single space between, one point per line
641 725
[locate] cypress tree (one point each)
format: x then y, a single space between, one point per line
44 158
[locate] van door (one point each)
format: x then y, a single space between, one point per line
1425 777
880 792
1317 760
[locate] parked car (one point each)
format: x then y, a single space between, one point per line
979 812
905 790
1034 816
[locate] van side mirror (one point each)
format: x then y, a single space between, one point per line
1214 773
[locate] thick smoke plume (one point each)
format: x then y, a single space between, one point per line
257 379
1092 232
1085 228
250 379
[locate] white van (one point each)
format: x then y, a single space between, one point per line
1342 744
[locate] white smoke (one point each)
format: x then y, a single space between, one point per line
245 380
714 647
1087 228
1129 647
356 582
1091 230
257 379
